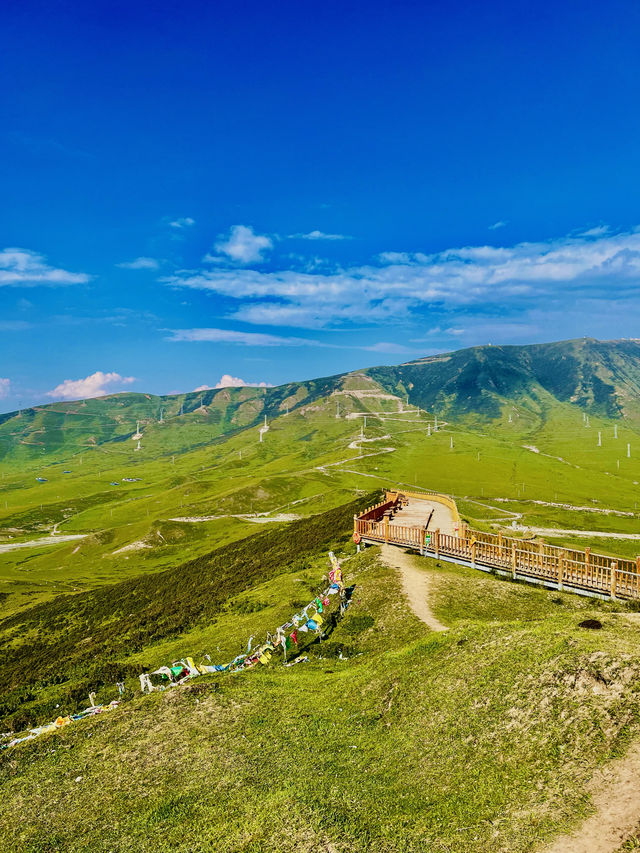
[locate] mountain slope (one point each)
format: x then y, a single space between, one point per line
59 430
602 377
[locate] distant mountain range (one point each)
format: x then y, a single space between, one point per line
602 377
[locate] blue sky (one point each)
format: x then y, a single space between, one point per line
273 192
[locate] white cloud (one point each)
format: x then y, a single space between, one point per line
140 264
228 336
499 224
598 231
227 381
318 235
14 325
241 245
182 222
403 284
23 268
91 386
5 387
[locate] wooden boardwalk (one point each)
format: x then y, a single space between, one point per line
427 514
429 522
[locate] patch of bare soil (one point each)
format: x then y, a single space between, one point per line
616 798
415 583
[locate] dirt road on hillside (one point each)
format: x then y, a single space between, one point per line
37 543
415 582
616 798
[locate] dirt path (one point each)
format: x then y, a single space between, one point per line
45 540
416 584
591 534
616 798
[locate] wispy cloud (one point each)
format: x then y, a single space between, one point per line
240 246
94 385
182 222
141 263
229 336
499 224
318 235
388 346
23 268
14 325
5 387
597 231
403 286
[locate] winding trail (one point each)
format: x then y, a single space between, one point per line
45 540
616 798
416 584
565 531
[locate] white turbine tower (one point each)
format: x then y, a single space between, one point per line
264 428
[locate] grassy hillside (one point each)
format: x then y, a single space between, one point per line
480 739
60 650
60 432
389 738
602 377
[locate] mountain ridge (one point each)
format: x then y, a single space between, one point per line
475 383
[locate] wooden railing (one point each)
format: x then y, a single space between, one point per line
447 500
551 564
378 510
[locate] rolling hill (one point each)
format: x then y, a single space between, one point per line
116 560
602 377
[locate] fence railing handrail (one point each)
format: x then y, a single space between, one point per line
581 569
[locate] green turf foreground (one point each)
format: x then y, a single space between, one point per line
479 739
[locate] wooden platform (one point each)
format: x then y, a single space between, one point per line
419 512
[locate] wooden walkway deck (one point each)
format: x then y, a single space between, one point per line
427 514
430 524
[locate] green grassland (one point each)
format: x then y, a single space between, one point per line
480 739
304 465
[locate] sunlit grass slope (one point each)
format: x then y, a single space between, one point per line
58 651
480 739
310 460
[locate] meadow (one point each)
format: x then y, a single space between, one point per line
390 737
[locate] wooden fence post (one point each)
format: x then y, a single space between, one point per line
473 552
436 544
513 560
386 528
614 567
560 568
635 580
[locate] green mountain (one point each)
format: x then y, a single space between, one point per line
116 560
602 377
58 429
